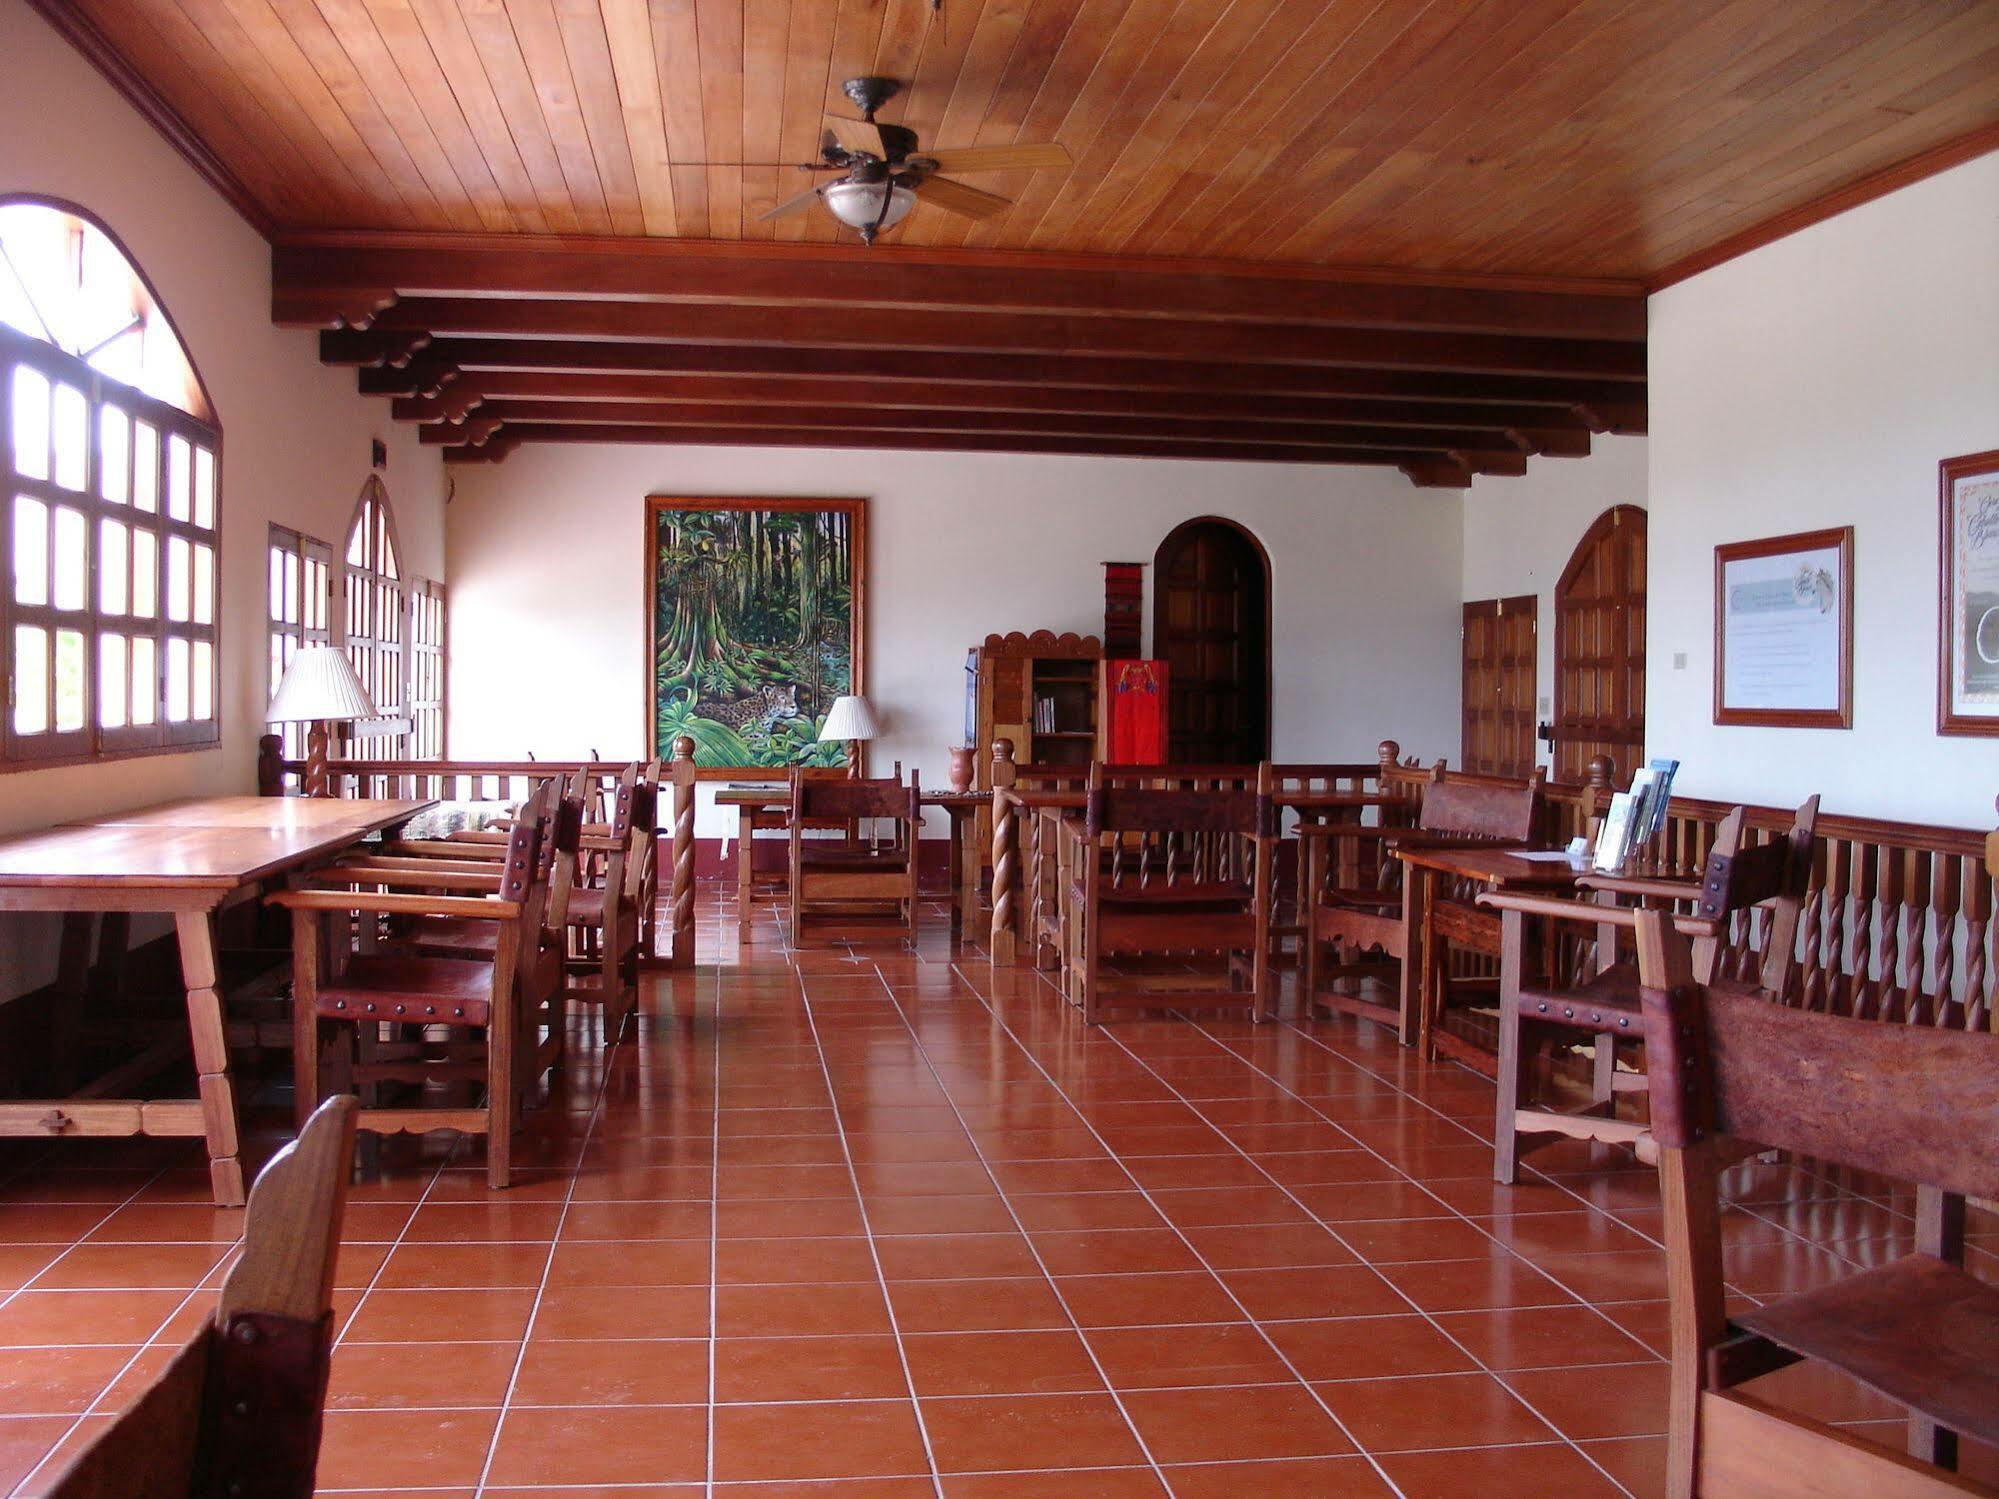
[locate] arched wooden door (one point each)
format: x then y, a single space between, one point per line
1211 623
1600 648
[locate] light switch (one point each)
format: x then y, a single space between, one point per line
1542 707
1679 660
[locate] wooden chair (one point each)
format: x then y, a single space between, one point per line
542 1009
237 1411
848 876
419 997
1535 1016
607 915
1909 1102
1056 883
1373 919
1171 874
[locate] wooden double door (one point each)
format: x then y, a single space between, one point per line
1599 693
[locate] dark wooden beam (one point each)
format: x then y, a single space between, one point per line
470 355
891 423
1552 442
315 276
371 349
1429 473
420 377
585 391
960 332
531 432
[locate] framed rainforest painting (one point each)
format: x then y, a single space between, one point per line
755 615
1968 595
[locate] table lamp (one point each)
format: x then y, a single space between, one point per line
319 688
851 719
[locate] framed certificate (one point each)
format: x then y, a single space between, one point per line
1783 631
1968 595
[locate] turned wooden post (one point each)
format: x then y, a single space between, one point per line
1006 855
1390 754
1597 775
681 892
270 765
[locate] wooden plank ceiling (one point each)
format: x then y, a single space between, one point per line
531 220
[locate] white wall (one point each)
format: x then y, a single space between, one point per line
547 581
1519 534
295 434
1817 382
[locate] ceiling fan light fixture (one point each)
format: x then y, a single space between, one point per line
859 205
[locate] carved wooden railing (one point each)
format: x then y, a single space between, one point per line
512 781
1898 923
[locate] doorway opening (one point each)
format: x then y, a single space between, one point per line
1211 624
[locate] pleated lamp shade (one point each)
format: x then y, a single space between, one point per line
850 718
320 686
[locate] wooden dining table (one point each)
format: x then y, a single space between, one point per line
1437 924
190 860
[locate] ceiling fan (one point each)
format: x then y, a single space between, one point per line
884 171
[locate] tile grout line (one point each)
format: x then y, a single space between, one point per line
1180 1233
1544 1177
1200 1029
867 1226
714 1207
611 1058
77 1420
1116 1395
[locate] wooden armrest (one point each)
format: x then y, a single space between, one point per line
1642 885
1588 913
490 868
601 845
484 881
483 908
445 848
1557 909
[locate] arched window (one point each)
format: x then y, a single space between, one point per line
109 522
374 594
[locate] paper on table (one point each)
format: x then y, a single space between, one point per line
1552 856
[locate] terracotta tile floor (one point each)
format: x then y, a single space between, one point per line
857 1221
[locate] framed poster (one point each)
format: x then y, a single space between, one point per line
1783 631
755 614
1968 595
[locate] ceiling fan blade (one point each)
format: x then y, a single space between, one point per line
959 198
856 135
999 158
790 205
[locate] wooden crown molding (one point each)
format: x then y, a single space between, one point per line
82 33
1831 204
